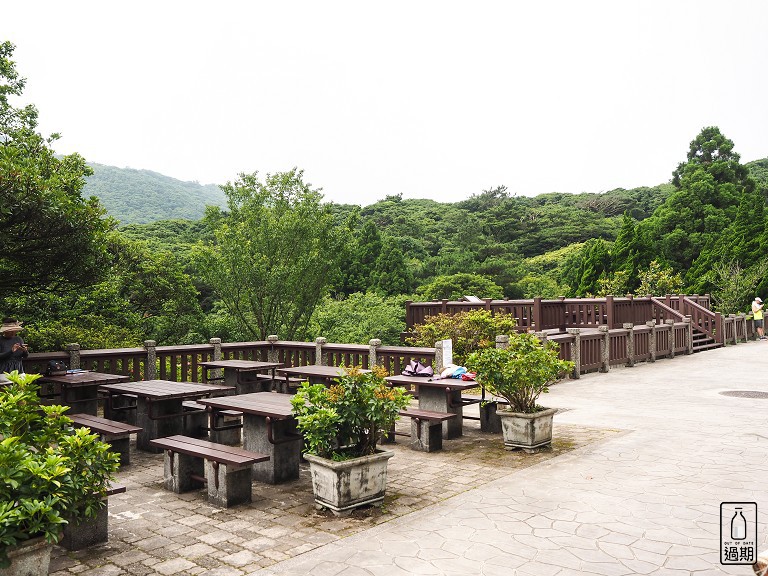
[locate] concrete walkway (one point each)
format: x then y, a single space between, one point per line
643 502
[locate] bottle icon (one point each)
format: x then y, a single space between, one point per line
738 525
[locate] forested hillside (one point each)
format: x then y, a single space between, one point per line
269 255
141 196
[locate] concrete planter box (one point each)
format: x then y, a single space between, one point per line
529 432
344 486
29 558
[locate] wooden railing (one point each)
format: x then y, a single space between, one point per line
561 313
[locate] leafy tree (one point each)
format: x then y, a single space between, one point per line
53 240
469 331
391 274
364 253
659 279
459 285
690 224
276 253
360 317
594 266
736 286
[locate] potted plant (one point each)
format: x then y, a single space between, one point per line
342 425
50 474
520 373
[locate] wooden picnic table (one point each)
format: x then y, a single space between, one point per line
314 373
244 375
159 410
439 395
268 428
79 388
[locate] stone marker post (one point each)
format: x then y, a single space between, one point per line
443 354
651 341
575 351
629 327
218 373
150 367
373 347
605 349
321 357
671 324
74 355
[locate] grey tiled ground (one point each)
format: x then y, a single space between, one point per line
643 458
153 531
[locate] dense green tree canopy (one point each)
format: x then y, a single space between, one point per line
276 253
53 239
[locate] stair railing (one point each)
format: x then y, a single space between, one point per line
702 319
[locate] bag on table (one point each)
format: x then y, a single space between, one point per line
415 368
56 368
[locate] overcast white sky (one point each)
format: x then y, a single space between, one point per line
431 99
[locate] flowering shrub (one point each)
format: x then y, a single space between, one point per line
346 420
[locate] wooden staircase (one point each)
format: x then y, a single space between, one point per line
702 341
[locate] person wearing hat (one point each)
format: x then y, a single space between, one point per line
12 347
757 314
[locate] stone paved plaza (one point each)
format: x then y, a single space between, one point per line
642 459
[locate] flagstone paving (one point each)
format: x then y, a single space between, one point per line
643 458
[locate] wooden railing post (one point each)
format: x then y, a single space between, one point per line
150 367
536 321
321 357
732 318
408 315
605 349
575 351
671 323
629 327
74 355
609 311
651 341
719 329
373 347
743 321
502 341
443 306
443 354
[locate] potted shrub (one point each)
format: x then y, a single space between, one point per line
50 474
520 374
342 425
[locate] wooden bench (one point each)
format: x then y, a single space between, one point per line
116 434
426 428
192 462
226 427
90 531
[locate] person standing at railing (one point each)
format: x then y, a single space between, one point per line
12 347
757 314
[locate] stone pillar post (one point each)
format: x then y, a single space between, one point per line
629 327
671 323
321 357
502 341
218 373
605 349
272 354
373 358
443 355
150 367
651 341
74 355
689 334
575 351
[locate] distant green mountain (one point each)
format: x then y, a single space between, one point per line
141 196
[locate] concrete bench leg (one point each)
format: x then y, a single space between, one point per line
121 445
128 415
231 437
228 485
177 469
388 437
490 421
196 424
426 436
